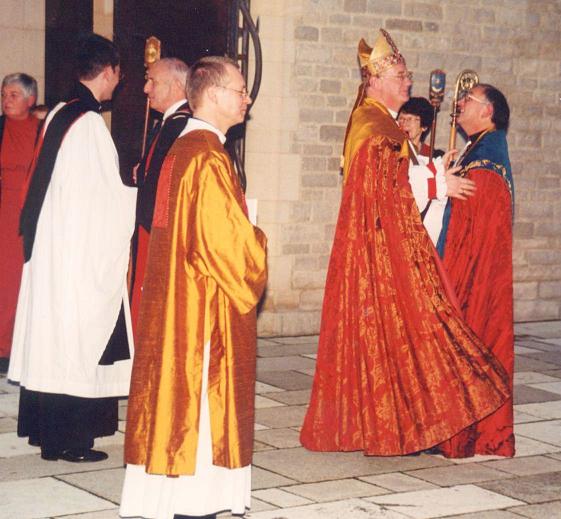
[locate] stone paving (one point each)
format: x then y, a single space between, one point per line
292 483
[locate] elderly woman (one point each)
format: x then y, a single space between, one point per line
18 130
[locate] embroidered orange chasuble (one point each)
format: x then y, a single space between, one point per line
205 274
398 370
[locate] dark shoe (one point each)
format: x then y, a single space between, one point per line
83 455
432 450
50 455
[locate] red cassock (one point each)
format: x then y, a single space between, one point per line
18 139
398 369
478 259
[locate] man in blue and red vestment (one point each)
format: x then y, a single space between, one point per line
476 246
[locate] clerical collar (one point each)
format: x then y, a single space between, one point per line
173 108
199 124
84 94
475 137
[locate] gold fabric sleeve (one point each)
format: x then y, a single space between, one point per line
205 274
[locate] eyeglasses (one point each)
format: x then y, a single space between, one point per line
402 76
242 93
408 118
470 97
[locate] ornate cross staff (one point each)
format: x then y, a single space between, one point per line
152 52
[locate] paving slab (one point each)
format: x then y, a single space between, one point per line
551 387
104 514
45 497
346 509
529 447
11 445
8 424
336 490
307 371
526 466
280 417
262 402
554 373
262 388
545 329
279 438
299 397
289 380
261 478
260 446
520 417
547 432
524 350
459 474
524 363
549 510
303 339
280 364
442 502
106 484
284 350
537 344
531 489
9 404
258 506
544 410
532 377
489 514
280 498
8 387
32 466
524 394
308 467
261 341
550 357
398 482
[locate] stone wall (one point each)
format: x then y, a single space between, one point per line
310 81
22 45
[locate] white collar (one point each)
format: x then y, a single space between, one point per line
199 124
173 108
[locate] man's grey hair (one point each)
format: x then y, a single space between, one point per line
177 69
27 83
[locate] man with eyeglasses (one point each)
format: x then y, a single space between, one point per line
72 337
166 81
476 245
398 370
189 437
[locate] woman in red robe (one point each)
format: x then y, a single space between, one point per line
18 130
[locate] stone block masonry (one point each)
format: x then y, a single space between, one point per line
310 82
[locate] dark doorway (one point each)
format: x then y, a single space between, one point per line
187 30
64 21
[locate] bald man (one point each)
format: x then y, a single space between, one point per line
165 87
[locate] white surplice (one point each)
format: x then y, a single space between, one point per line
74 284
